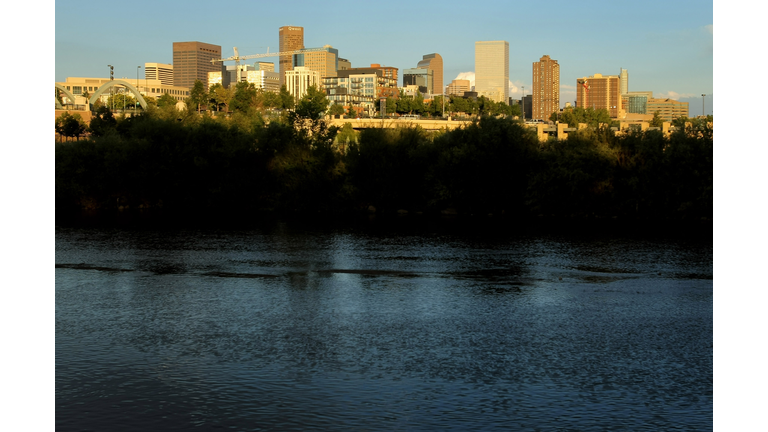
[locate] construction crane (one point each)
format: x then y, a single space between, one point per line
236 58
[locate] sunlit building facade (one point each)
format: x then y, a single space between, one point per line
546 88
492 70
600 92
159 71
434 63
299 79
192 61
291 39
325 61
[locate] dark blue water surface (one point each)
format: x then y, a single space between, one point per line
382 326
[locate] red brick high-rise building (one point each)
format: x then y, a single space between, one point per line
546 88
291 39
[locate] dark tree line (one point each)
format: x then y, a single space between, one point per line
295 163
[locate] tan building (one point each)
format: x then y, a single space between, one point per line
546 88
324 61
457 87
492 70
299 79
159 71
388 71
344 64
433 62
291 39
192 61
600 92
669 109
265 66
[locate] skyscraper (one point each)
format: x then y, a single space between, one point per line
325 61
546 88
291 39
192 61
599 92
492 70
623 81
433 62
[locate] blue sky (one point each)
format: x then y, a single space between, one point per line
667 46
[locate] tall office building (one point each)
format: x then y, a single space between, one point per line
159 71
325 62
192 61
599 92
492 70
623 81
291 39
433 62
421 77
546 88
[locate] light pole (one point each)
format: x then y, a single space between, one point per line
137 87
702 104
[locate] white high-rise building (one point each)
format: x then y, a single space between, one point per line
492 70
623 81
298 80
159 71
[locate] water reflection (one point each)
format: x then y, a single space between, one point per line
296 328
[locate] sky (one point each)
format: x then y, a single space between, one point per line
667 47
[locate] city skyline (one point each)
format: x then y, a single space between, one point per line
666 48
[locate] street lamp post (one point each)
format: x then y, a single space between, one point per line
702 104
137 87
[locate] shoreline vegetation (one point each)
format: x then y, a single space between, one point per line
291 163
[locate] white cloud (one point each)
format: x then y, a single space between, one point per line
674 95
467 76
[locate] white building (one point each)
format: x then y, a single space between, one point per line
492 70
159 71
300 79
265 80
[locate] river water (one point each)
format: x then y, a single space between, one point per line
435 325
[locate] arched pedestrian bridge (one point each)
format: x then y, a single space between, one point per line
97 94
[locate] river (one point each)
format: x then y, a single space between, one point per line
383 325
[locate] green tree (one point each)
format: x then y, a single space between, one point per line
286 98
271 100
166 100
121 101
197 96
102 121
336 110
224 96
553 116
70 125
151 101
313 104
351 113
656 121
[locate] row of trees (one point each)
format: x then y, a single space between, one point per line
296 163
245 97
